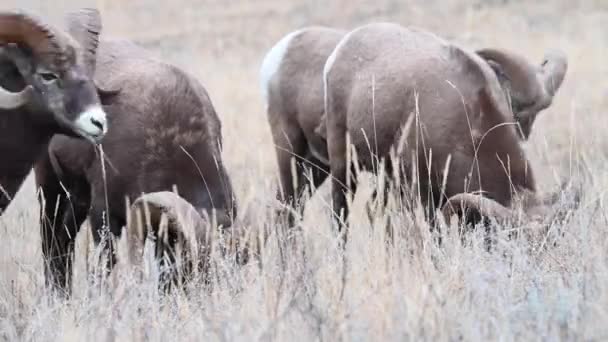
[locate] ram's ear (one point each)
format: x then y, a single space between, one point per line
106 95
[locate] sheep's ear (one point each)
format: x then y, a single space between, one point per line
85 27
473 209
106 95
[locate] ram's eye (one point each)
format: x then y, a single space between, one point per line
48 76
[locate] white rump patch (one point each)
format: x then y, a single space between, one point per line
331 60
92 122
272 61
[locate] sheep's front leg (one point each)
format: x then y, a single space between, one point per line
338 168
60 221
105 227
290 146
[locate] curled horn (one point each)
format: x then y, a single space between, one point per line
11 100
85 27
472 208
520 73
24 30
44 42
176 224
106 94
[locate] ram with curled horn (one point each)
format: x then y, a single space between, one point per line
165 134
46 88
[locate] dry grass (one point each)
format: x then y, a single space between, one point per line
410 291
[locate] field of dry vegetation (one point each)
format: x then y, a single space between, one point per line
548 285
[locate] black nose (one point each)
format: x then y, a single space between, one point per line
97 124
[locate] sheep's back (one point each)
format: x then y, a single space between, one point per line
162 125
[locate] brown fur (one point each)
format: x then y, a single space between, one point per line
295 109
458 109
25 130
295 103
165 133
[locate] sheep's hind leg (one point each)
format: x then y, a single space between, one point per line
311 173
290 145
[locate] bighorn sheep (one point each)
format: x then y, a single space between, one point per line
165 133
46 88
438 107
292 83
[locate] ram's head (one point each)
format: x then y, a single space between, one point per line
530 87
53 72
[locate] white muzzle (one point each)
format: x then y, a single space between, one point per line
92 122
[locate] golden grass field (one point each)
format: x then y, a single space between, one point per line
412 290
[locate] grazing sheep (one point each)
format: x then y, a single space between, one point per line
165 133
46 88
440 109
292 84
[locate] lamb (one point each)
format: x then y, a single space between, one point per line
46 88
165 134
292 83
442 111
